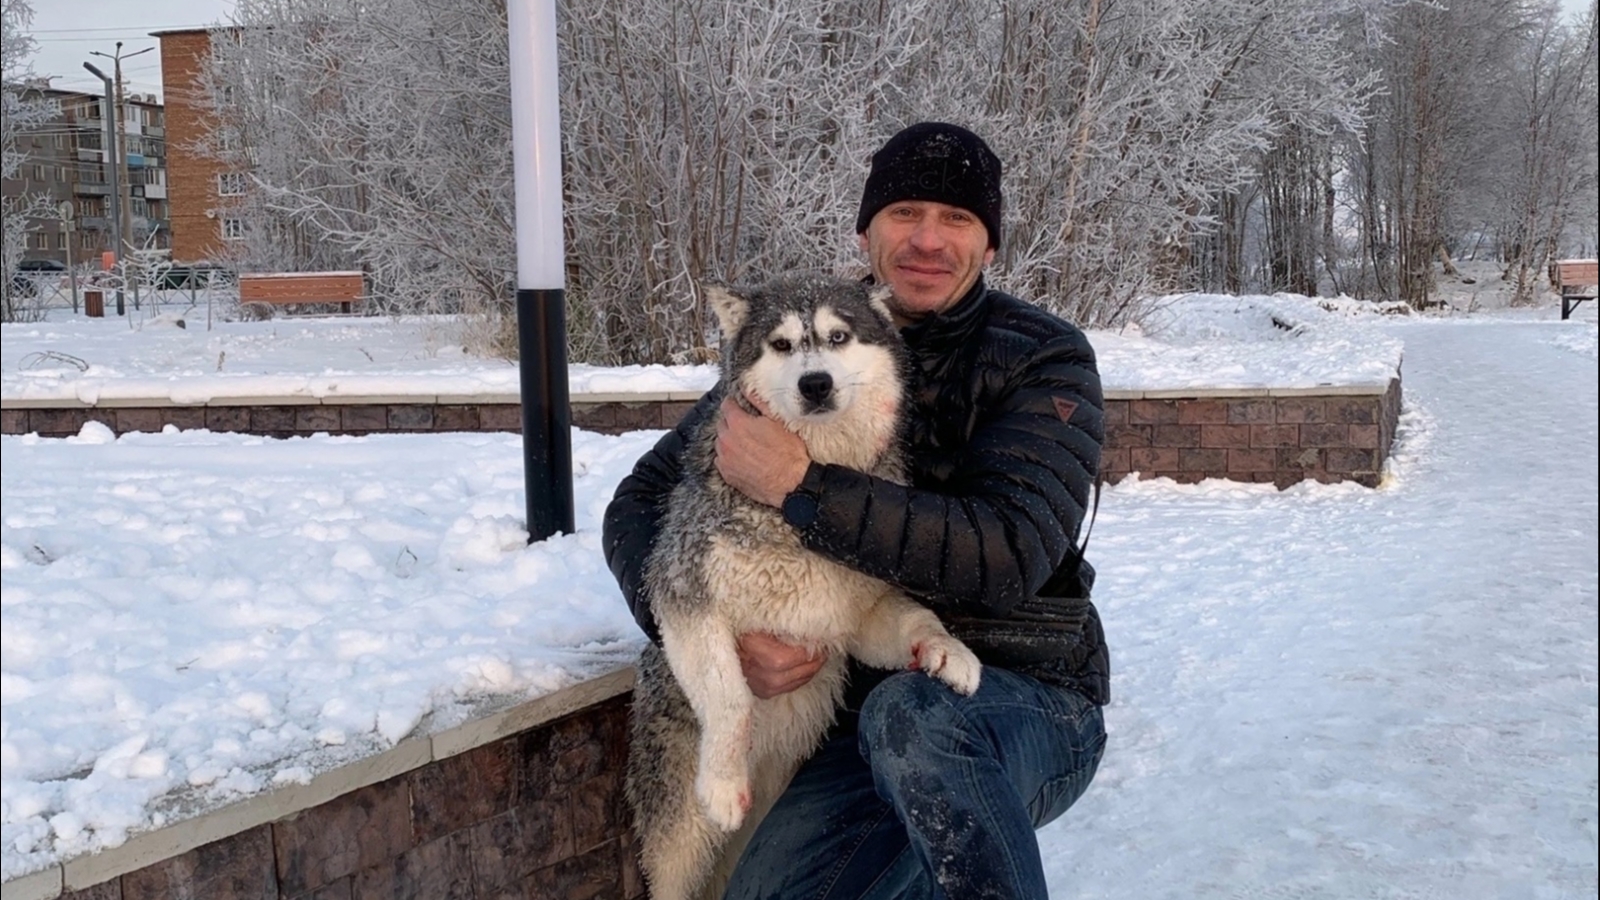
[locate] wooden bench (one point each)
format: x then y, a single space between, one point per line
292 288
1577 280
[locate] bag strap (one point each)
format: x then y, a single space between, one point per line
1094 510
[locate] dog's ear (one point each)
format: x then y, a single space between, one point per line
730 306
878 296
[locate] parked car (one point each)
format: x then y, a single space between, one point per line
25 280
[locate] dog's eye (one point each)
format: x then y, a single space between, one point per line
838 337
782 345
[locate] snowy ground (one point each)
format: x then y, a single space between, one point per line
1215 341
1335 693
1324 692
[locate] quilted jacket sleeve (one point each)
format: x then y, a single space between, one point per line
633 518
1005 520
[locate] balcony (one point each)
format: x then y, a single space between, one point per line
91 189
94 223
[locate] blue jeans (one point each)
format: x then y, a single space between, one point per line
935 796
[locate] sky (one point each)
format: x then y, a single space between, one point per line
68 31
66 39
1324 692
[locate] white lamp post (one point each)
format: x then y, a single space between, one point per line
541 272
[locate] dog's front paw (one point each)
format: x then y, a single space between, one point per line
948 660
726 800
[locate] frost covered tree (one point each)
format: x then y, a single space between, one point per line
21 111
717 137
375 136
1275 232
1420 171
1547 148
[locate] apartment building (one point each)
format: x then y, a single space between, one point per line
200 185
66 160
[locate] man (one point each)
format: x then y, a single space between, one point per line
919 792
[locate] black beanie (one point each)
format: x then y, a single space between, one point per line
939 162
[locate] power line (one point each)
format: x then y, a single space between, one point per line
93 40
146 28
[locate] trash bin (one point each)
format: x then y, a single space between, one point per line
94 304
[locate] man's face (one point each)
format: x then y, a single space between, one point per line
929 253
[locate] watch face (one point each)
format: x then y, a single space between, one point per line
799 509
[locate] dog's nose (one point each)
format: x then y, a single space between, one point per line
816 386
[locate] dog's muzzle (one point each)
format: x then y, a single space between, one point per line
816 389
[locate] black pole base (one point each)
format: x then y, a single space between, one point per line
546 411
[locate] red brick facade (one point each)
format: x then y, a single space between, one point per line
535 816
1281 440
191 178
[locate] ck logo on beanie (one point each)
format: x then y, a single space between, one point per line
938 181
939 162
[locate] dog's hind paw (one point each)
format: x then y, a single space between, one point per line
726 801
948 660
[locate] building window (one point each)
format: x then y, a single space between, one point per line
39 241
38 172
233 229
61 240
230 184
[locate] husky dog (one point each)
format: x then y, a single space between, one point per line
707 758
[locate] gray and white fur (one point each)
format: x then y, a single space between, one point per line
708 758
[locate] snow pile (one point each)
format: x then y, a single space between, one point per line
211 614
95 360
1217 341
1191 340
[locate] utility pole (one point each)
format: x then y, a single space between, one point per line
122 155
111 167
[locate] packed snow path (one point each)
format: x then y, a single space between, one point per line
1340 694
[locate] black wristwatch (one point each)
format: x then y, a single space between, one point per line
800 508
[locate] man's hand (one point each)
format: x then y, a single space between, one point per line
758 456
773 667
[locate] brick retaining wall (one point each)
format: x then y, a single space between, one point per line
1281 436
537 814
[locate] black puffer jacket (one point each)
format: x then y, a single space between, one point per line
1006 429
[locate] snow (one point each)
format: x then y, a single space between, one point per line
1335 692
1328 691
1217 342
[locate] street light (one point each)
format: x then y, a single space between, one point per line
122 157
541 270
116 180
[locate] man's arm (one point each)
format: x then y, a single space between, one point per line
1006 518
631 523
633 517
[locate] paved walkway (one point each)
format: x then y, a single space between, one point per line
1343 693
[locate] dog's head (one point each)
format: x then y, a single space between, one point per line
811 348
